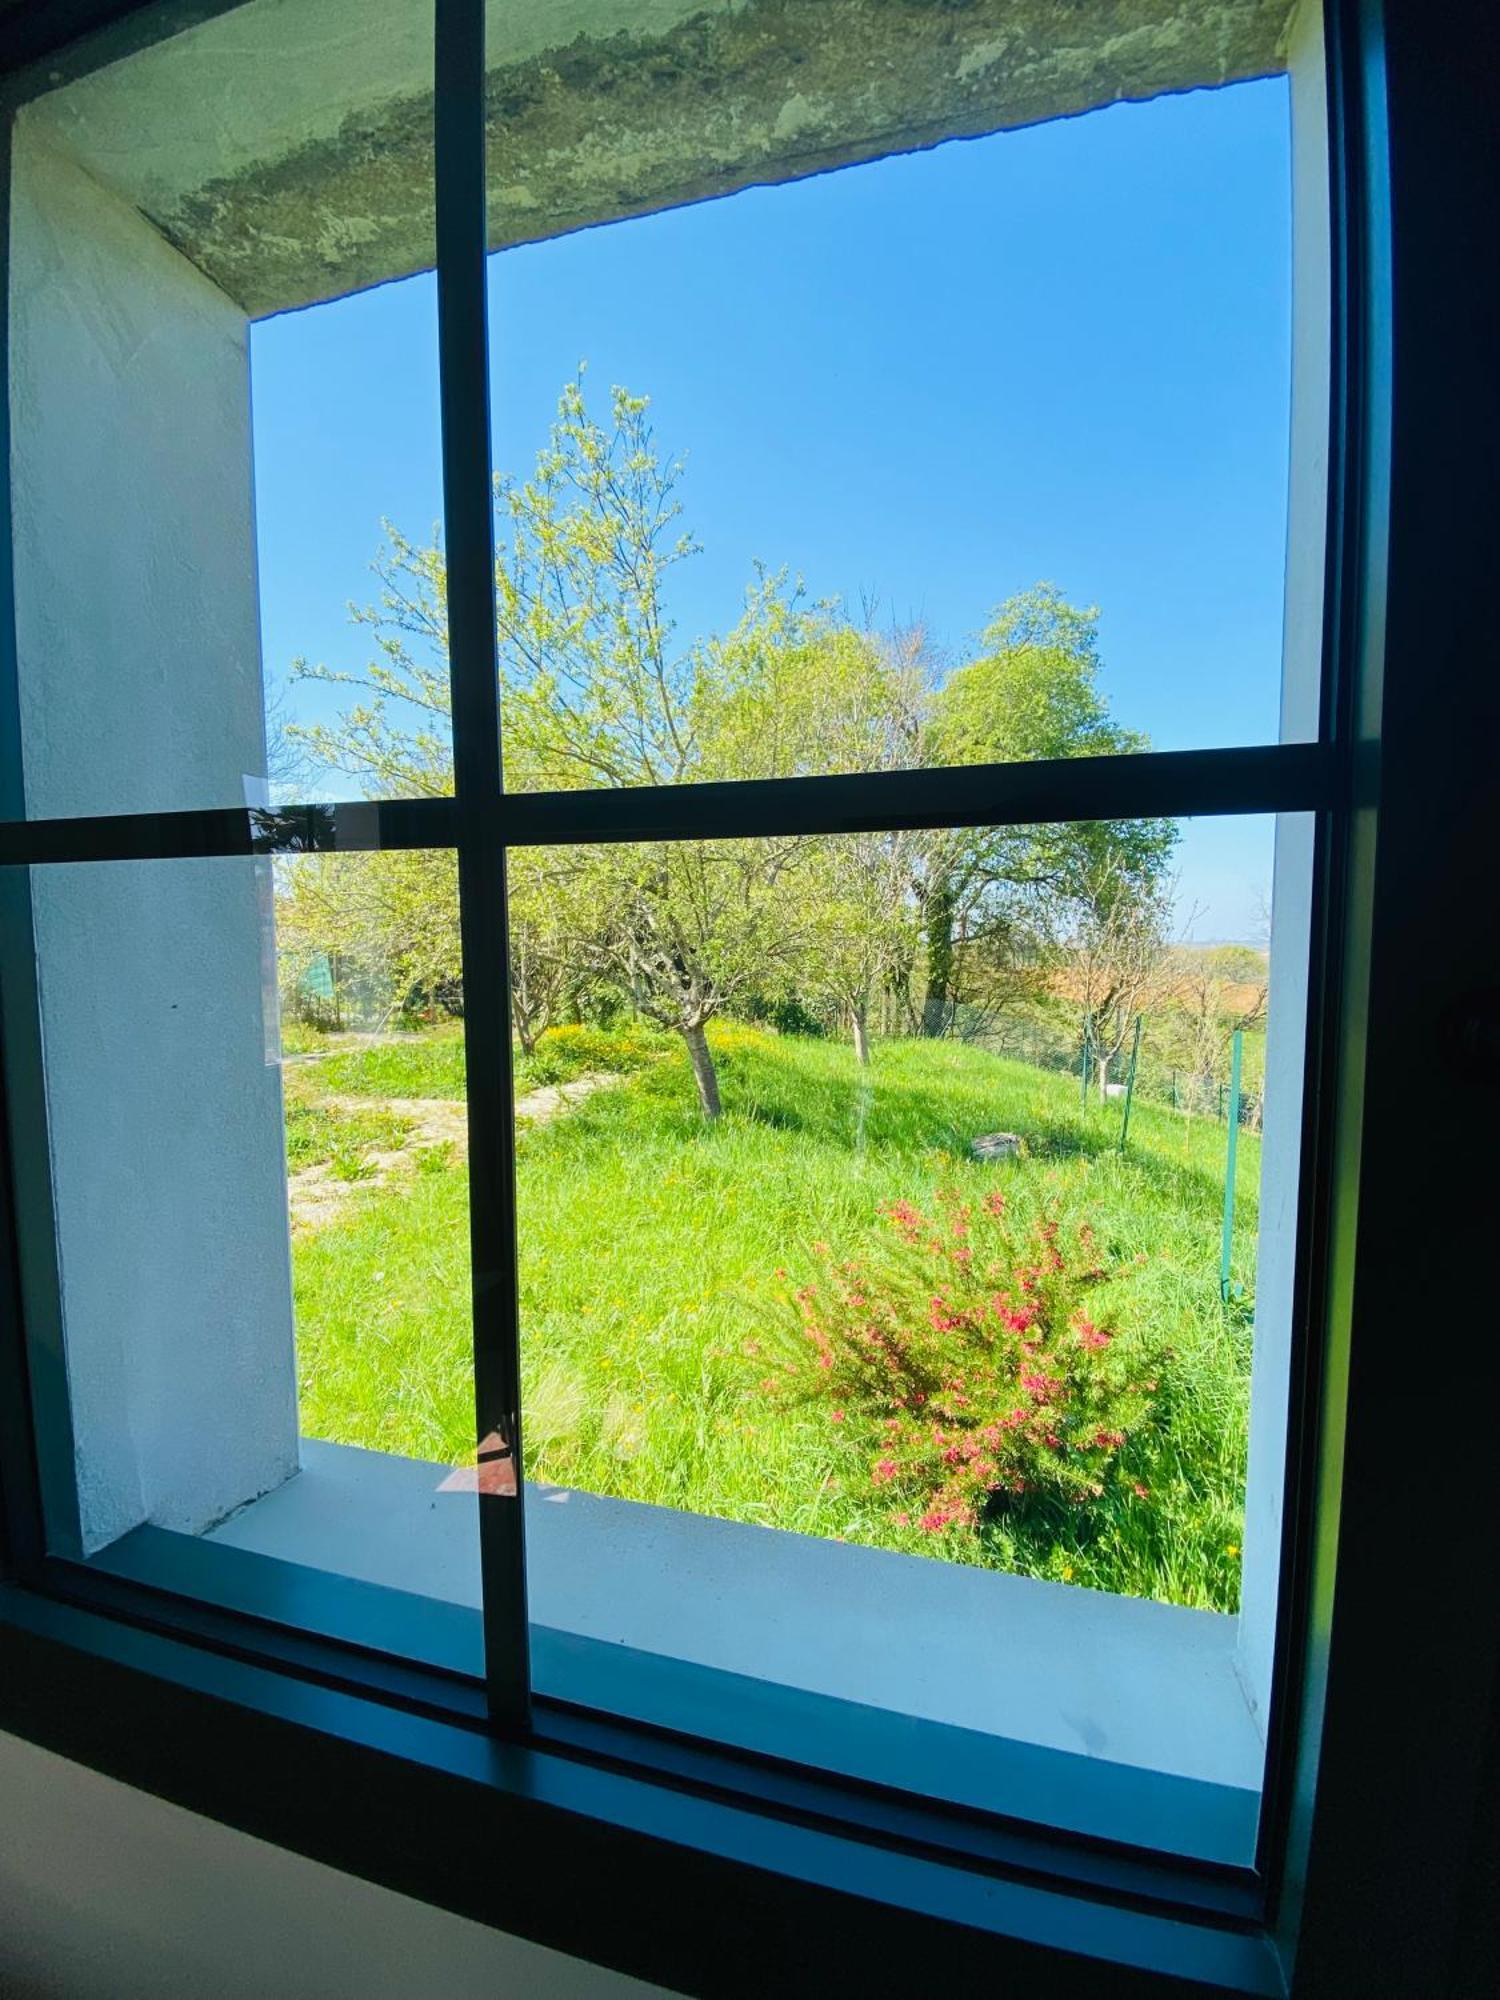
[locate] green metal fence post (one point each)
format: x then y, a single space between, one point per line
1135 1056
1234 1133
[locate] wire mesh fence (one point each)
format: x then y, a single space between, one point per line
1064 1044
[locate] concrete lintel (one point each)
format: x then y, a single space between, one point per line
287 151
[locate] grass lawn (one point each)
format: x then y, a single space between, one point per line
652 1305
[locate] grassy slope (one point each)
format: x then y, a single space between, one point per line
650 1246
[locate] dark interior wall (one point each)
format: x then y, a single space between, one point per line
109 1894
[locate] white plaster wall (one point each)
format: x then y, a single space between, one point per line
1286 1027
108 1892
136 602
139 659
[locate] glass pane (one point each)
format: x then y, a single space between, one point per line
802 479
222 432
889 1218
254 1094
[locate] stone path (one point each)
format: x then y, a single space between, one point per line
316 1195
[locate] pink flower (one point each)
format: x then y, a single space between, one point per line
1092 1336
838 1416
885 1470
1141 1492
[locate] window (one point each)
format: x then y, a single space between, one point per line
816 888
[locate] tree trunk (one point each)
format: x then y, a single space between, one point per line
858 1015
939 920
704 1074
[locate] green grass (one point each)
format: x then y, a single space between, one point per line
432 1065
316 1135
652 1308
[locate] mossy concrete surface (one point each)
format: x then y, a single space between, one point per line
287 149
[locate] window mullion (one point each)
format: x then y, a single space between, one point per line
463 371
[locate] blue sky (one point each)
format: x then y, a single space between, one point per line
1057 354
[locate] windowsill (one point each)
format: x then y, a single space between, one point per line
1109 1716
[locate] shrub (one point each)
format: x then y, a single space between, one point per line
969 1358
785 1012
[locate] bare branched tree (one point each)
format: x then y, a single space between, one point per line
1119 955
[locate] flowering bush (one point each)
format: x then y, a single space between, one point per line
967 1357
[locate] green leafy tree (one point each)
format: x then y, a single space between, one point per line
387 923
1031 693
597 688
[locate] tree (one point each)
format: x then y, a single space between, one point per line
687 928
847 700
862 922
1118 952
387 922
596 690
1031 693
1215 993
542 924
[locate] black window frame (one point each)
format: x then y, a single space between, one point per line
227 1713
